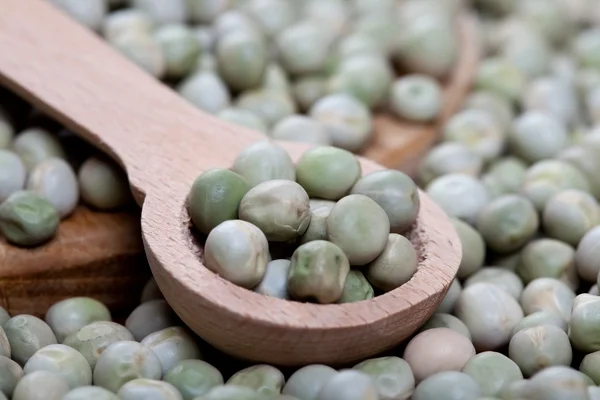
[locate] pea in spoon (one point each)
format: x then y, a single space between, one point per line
164 143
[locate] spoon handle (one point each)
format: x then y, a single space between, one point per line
69 72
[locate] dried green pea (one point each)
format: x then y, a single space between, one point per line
266 380
492 371
548 258
70 315
569 215
193 378
538 347
441 320
548 294
395 192
392 376
448 158
318 272
395 265
356 288
215 198
501 277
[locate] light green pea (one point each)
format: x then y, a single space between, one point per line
266 380
215 197
193 378
392 376
70 315
492 371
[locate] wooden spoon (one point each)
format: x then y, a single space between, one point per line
164 143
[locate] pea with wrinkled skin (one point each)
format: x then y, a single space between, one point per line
124 361
27 334
318 272
172 345
63 361
193 378
280 208
395 265
244 263
266 380
94 338
392 376
27 219
539 347
395 192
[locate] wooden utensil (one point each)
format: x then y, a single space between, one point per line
94 254
164 143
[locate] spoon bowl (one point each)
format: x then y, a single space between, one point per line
164 143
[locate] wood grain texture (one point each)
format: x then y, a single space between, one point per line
94 254
164 142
